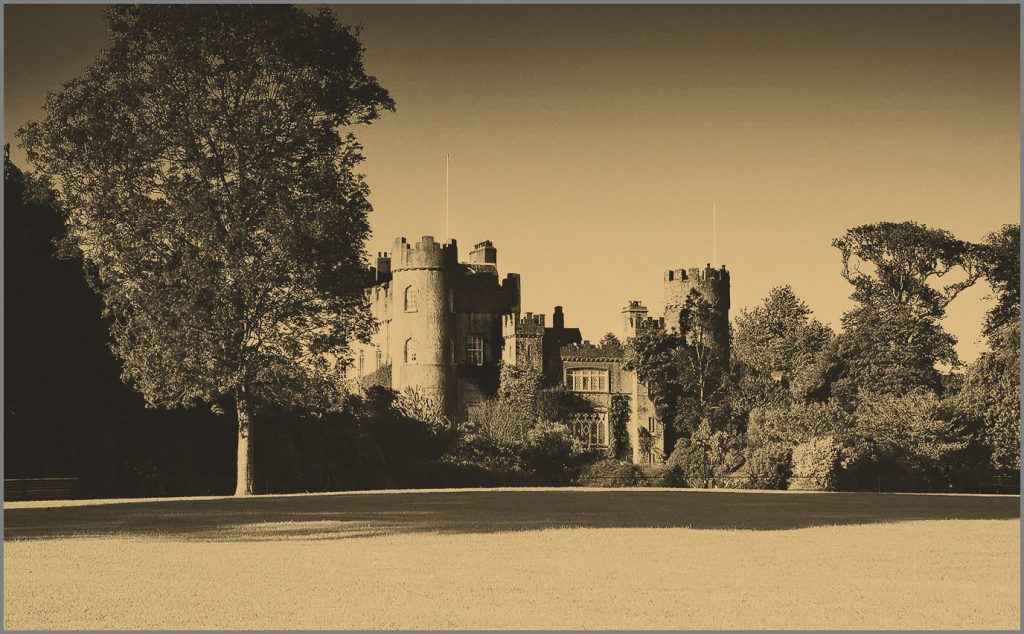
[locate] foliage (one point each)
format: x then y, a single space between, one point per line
990 397
685 371
708 458
768 466
560 404
610 342
203 181
549 452
897 262
519 386
778 350
618 419
886 348
999 255
612 473
797 423
815 465
416 405
66 411
500 422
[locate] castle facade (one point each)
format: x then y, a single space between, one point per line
447 325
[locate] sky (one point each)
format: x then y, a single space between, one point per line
591 143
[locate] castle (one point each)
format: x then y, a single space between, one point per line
445 326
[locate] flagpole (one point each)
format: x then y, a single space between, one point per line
714 234
446 236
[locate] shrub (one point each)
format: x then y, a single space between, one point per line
815 465
768 466
612 473
673 476
548 451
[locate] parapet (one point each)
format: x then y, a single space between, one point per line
697 275
647 323
522 325
587 351
425 254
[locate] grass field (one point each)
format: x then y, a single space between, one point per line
547 559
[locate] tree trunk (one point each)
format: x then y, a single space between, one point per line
244 474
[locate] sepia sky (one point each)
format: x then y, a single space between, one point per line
590 142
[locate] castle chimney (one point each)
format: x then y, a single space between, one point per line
558 319
484 253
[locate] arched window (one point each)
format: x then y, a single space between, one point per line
410 351
410 299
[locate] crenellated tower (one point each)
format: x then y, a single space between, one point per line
713 286
422 318
524 340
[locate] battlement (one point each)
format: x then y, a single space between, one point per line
522 325
657 323
697 275
425 254
587 351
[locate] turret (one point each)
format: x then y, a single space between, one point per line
524 339
633 316
422 322
713 286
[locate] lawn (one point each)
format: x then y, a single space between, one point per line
483 559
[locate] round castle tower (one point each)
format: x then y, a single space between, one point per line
422 320
713 286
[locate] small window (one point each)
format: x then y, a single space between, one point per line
652 424
361 362
410 299
587 380
378 359
475 349
410 351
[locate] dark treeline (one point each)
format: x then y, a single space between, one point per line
799 406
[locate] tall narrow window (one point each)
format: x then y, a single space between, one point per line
410 299
379 359
410 351
361 362
475 349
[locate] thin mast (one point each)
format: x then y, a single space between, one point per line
714 233
446 237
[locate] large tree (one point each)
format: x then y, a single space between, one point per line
778 350
205 180
904 275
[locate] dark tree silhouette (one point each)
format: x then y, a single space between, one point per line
203 176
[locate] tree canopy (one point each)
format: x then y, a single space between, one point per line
204 178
